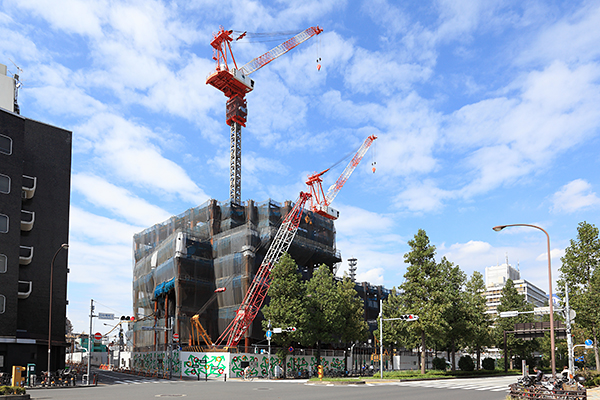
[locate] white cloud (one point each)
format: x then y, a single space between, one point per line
100 229
573 39
118 200
375 72
354 220
423 197
73 16
574 196
506 139
127 150
555 254
374 276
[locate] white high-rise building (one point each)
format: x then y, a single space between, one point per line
495 279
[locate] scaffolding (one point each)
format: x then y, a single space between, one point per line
180 262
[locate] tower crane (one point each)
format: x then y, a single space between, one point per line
235 83
319 200
259 287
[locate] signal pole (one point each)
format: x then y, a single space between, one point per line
406 317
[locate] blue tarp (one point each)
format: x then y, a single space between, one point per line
163 288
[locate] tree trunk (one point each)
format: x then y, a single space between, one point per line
596 351
318 353
478 356
453 356
423 352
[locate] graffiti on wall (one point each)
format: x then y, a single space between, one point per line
158 362
205 365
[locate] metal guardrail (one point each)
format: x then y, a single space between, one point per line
569 392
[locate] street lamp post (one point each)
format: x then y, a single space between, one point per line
62 246
552 358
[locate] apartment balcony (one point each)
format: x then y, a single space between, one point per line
28 188
27 220
25 288
25 255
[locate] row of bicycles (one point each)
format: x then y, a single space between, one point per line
528 387
61 377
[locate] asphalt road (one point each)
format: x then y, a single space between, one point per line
121 386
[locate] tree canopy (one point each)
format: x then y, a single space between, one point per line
581 276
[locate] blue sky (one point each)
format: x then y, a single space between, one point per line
486 113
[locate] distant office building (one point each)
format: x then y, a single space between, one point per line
495 279
35 174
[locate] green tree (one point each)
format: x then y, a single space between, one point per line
579 272
286 304
321 323
478 321
351 312
455 307
511 300
423 294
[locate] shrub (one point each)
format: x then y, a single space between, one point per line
439 363
488 364
7 390
466 363
19 390
591 378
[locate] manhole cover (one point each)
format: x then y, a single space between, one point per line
170 395
262 388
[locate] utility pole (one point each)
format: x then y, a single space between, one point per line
269 356
381 338
569 337
120 342
90 341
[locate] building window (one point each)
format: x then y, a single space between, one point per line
2 304
5 145
3 262
3 223
4 184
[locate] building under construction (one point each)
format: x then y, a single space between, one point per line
179 264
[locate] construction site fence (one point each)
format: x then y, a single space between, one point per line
210 365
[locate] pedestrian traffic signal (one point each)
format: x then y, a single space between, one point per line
409 317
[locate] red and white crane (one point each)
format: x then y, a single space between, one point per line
319 200
255 296
235 83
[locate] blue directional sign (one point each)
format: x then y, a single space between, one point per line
588 342
269 334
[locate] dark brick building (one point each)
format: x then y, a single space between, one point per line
35 176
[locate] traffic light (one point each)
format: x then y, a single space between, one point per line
128 318
409 317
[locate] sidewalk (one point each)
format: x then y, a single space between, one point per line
593 394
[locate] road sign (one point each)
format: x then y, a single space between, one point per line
102 315
98 336
290 349
277 330
269 334
588 342
508 314
176 337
